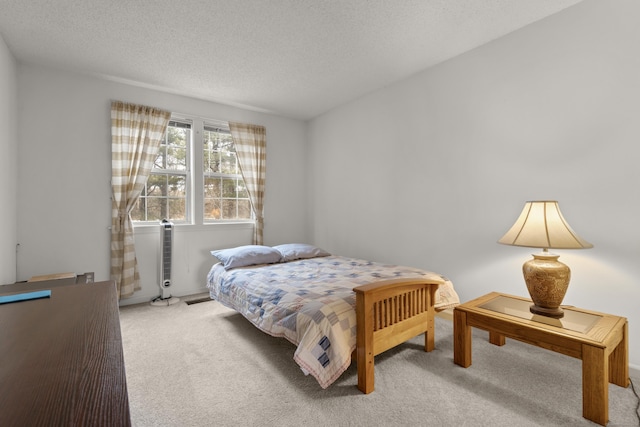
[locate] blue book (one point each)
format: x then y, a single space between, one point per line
24 297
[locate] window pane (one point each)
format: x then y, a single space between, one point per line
164 196
229 163
176 158
219 153
211 160
236 209
244 209
176 186
212 187
157 185
229 209
212 209
162 154
177 209
242 189
173 153
229 188
155 209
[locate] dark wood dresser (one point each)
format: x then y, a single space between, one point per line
61 360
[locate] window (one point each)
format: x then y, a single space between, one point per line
225 195
216 193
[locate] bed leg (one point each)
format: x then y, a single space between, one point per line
364 343
430 333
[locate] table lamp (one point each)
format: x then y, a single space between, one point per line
541 225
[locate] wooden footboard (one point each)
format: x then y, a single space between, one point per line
389 313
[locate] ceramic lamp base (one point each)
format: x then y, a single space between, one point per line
547 280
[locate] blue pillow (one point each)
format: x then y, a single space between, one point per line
243 256
294 251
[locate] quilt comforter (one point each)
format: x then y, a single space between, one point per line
311 303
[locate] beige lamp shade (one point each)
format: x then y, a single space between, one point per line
541 225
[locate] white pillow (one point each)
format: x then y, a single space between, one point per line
243 256
294 251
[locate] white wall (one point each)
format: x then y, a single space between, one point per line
8 162
433 170
64 168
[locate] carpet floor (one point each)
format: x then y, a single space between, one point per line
205 365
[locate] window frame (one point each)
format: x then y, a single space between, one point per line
194 183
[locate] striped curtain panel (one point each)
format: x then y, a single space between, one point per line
136 134
250 142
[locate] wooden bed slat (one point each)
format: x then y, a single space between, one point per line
389 311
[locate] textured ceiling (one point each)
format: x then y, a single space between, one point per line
296 58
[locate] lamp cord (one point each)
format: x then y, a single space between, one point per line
637 398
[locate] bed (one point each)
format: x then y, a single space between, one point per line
332 308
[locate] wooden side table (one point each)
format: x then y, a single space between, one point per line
599 340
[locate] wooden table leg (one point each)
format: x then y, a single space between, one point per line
461 339
619 360
496 338
595 384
